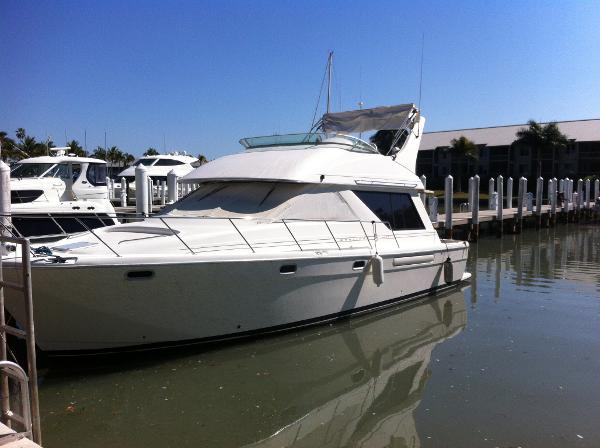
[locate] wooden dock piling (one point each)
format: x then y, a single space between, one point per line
500 206
448 204
520 204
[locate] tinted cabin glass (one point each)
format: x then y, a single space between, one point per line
168 162
96 174
397 209
21 196
379 203
406 216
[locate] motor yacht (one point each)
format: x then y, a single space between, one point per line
59 194
294 230
159 166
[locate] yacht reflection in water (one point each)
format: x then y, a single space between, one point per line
354 383
367 395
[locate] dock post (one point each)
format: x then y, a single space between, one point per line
580 198
588 194
491 194
424 195
470 196
551 201
500 205
150 194
5 220
163 192
475 209
448 204
529 198
172 186
123 192
520 203
596 189
539 197
141 190
433 209
109 187
509 193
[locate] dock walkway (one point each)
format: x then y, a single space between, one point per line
10 439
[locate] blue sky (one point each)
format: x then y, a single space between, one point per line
202 74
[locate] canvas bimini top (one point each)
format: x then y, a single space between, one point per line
375 119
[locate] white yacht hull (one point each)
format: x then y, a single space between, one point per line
94 307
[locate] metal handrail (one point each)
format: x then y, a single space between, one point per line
232 220
15 371
29 335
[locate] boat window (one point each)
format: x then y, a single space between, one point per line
145 162
168 162
96 174
22 196
22 170
60 171
76 171
397 210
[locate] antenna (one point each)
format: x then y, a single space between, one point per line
329 73
66 142
421 71
164 144
85 139
105 151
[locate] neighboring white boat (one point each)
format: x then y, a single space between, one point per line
295 230
159 166
47 192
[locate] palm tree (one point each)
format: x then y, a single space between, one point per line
8 147
99 153
114 155
151 152
464 150
542 139
21 134
202 159
76 149
128 159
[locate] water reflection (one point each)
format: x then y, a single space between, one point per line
355 383
537 261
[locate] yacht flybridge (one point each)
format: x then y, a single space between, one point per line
59 194
295 230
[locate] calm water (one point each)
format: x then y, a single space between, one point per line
511 360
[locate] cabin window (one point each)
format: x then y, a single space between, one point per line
145 162
168 162
75 171
96 174
22 196
60 171
396 210
27 170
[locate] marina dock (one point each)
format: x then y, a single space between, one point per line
560 202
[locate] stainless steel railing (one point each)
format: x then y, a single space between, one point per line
323 235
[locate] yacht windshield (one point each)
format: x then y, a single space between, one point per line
266 200
145 162
269 142
23 170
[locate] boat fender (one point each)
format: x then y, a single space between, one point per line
377 269
448 271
